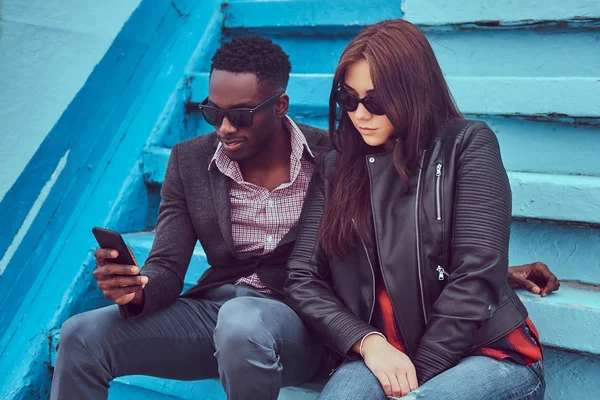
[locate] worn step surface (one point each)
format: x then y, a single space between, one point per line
567 319
473 52
141 244
568 376
479 95
244 15
534 195
571 252
545 145
210 389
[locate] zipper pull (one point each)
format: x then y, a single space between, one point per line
438 170
441 272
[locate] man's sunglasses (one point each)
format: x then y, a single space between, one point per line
350 103
238 117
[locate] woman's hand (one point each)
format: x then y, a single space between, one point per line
391 367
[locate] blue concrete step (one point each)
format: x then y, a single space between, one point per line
460 52
537 196
456 50
530 13
568 376
571 375
124 391
543 146
242 15
475 95
146 387
567 319
571 252
250 16
141 244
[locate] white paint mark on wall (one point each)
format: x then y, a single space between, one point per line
35 209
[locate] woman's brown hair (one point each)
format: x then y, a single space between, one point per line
410 86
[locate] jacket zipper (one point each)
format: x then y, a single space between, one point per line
372 271
441 271
373 280
417 197
438 192
378 256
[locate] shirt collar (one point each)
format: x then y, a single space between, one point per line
299 143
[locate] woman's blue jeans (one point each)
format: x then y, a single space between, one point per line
476 378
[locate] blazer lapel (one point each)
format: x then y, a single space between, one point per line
219 185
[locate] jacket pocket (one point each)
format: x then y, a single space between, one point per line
438 192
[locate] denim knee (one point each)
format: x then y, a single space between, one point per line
353 380
72 335
78 335
240 334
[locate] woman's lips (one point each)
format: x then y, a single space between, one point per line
365 130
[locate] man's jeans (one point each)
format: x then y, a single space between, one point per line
253 343
476 378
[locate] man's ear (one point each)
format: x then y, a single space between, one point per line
282 105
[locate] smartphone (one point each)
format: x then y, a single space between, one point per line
108 239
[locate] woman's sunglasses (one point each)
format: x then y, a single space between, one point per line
350 103
238 117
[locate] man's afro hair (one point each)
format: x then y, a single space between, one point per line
257 55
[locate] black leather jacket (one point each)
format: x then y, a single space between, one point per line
442 247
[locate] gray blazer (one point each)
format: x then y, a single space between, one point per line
196 206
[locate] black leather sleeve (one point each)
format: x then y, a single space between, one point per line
479 257
307 289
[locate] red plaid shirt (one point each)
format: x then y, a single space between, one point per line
522 345
260 218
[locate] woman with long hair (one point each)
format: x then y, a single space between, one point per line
401 261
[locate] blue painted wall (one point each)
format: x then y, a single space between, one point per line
88 172
48 49
529 68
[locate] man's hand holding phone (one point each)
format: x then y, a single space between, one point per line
120 283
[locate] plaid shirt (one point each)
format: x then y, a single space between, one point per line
261 218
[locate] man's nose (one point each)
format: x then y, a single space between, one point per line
226 127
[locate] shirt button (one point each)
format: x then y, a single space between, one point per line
270 238
371 160
270 203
